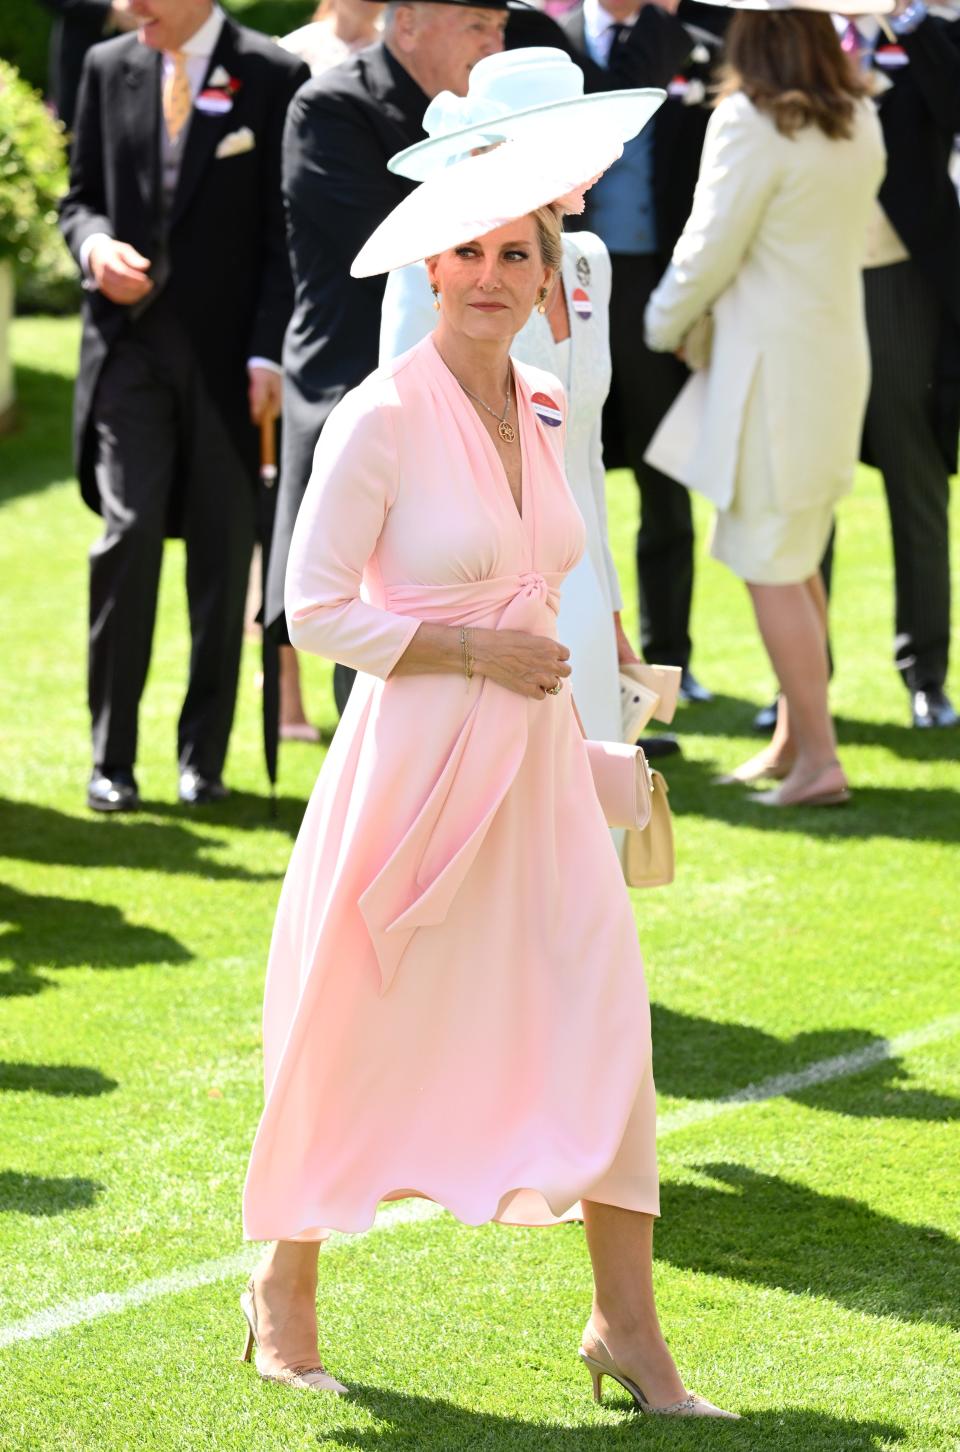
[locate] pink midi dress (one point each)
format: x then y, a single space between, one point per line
455 1005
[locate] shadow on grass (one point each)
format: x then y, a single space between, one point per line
37 453
61 1080
44 1194
434 1425
244 811
32 833
772 1232
698 1058
62 932
911 814
729 716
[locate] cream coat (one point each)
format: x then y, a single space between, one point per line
774 246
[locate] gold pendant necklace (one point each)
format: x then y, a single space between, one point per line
506 431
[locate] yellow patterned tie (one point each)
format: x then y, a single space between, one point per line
177 99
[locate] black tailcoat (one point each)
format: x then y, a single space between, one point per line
920 115
221 254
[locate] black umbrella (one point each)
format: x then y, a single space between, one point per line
271 650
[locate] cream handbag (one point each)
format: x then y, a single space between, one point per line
635 798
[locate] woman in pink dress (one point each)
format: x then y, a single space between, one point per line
455 1003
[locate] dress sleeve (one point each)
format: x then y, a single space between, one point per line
351 490
407 315
738 175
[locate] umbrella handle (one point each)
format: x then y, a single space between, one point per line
268 450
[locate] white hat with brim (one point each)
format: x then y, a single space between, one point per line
514 96
477 195
846 7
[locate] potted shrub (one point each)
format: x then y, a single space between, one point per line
33 176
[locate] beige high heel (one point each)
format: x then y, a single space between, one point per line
303 1378
603 1365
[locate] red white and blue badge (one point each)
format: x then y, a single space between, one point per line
890 57
581 303
214 102
546 410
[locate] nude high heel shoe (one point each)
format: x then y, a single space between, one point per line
600 1363
303 1378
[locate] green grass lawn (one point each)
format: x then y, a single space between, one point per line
808 1259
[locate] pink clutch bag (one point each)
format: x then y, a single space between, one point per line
622 781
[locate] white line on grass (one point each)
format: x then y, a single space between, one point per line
822 1072
109 1303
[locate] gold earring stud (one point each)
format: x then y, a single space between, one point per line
542 301
436 295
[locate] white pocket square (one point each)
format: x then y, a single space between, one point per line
219 77
236 142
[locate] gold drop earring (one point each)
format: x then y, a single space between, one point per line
436 295
542 301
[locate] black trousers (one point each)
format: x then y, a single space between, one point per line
903 321
644 386
162 446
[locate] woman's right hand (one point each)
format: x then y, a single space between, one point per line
529 664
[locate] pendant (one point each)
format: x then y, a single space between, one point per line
507 432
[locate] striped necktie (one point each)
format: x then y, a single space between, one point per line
177 97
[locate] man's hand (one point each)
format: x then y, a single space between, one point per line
265 393
119 271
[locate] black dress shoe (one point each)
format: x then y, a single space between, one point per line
691 689
654 746
197 790
112 789
766 718
931 707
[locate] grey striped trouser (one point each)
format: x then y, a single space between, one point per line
903 321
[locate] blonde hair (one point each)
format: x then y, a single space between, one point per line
549 236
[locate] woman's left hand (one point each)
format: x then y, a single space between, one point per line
626 655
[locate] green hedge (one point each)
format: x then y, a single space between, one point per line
33 176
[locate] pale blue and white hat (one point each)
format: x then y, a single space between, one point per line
535 95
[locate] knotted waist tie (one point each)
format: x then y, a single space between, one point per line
417 884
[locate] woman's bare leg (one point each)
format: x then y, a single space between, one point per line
792 621
624 1313
285 1289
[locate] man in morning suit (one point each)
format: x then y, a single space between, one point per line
341 131
174 215
639 209
912 291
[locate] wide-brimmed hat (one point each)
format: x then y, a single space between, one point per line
477 195
533 93
844 7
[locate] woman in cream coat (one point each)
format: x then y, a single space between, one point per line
571 341
769 430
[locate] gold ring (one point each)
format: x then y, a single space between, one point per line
553 690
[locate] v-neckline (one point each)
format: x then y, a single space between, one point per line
520 511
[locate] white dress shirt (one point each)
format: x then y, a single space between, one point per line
599 28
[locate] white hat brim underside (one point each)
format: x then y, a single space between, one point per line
620 113
479 194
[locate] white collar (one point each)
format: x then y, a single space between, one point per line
597 21
203 41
